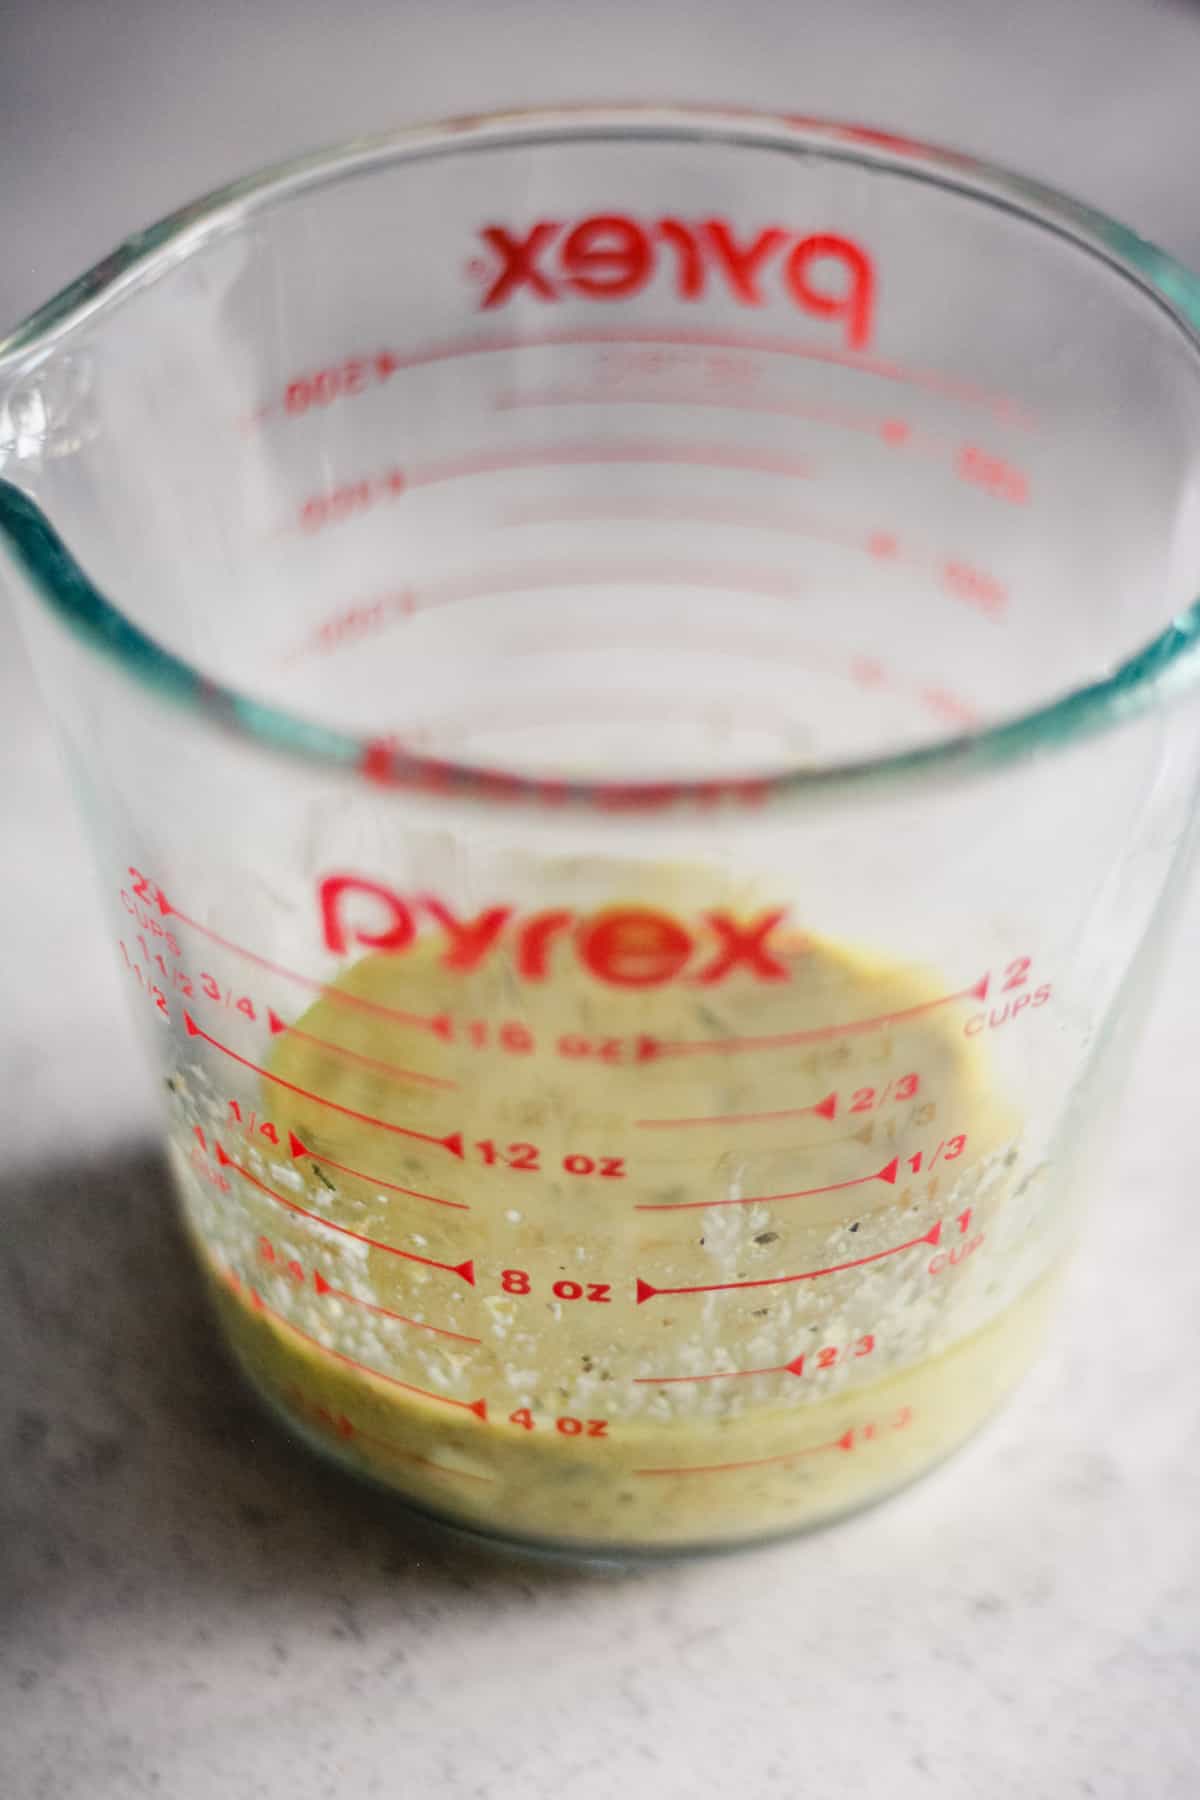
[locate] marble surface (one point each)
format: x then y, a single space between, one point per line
191 1608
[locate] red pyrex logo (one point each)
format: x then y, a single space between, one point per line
626 946
611 256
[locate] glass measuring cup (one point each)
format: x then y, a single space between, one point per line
617 667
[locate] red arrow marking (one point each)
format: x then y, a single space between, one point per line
344 1428
795 1367
439 1024
887 1173
325 1287
452 1142
299 1149
279 1025
824 1109
978 991
647 1292
465 1269
478 1407
845 1442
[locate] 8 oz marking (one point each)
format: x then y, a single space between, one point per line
519 1281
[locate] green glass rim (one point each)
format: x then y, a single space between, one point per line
1164 667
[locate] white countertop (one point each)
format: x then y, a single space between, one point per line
192 1609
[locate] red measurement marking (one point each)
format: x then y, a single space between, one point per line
425 1462
891 431
336 1425
975 587
702 512
826 1357
795 1367
464 1269
948 706
298 1149
279 1025
646 1291
929 379
478 1407
694 1046
845 1442
451 1142
707 456
824 1109
270 1255
351 498
355 622
887 1174
594 571
336 505
385 1312
438 1024
353 376
642 572
993 474
344 1428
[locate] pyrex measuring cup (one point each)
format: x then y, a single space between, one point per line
617 667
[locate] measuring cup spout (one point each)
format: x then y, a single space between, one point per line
48 407
22 419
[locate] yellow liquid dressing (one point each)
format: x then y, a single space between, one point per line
669 1266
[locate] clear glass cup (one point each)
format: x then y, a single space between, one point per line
619 666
